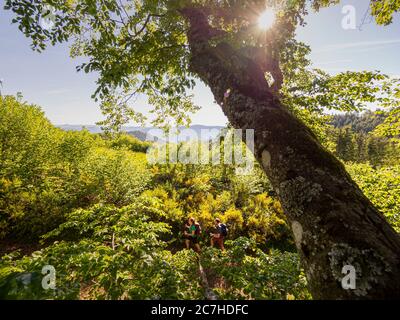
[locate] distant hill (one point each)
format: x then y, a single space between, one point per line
152 133
142 136
79 127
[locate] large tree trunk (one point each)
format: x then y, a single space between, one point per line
333 223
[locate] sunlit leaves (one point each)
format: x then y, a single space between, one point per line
382 187
46 172
346 91
391 126
383 10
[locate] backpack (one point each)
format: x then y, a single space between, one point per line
198 229
224 229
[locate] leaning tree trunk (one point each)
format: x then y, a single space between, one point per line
333 223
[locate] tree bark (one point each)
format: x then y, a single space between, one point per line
333 223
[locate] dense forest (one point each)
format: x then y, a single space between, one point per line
111 224
89 216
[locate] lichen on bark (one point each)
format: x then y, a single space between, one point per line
369 265
296 193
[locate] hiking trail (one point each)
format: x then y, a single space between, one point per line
208 292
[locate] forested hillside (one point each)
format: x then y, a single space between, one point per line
111 224
360 122
357 138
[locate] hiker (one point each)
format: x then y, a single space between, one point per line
186 234
219 236
194 233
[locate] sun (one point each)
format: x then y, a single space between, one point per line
266 19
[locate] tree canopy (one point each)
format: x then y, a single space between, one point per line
141 48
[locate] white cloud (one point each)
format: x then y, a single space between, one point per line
57 91
356 45
325 63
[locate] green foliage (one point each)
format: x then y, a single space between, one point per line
114 176
126 141
77 170
383 10
374 135
27 151
117 255
265 223
358 138
208 192
308 93
382 187
345 147
391 126
25 140
245 272
113 225
45 172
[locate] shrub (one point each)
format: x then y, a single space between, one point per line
117 254
245 272
382 187
128 142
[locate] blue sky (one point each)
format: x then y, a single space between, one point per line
49 79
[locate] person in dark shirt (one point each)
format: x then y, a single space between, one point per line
217 238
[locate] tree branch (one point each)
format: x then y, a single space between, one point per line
250 62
